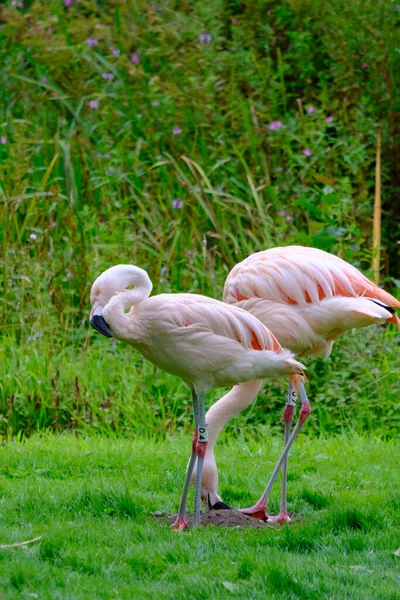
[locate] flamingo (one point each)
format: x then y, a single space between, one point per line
307 298
205 342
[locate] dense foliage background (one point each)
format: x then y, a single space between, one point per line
182 136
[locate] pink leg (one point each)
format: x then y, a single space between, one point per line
288 415
261 506
283 516
199 446
201 451
181 523
259 511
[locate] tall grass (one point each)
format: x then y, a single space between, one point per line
182 137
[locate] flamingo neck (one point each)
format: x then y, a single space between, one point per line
237 399
219 414
114 312
122 301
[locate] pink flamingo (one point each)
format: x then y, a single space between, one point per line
307 298
203 341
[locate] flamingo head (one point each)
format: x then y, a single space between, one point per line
114 281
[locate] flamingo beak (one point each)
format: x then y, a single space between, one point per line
97 321
219 505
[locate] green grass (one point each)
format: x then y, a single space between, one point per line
94 502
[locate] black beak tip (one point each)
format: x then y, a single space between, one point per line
221 506
100 325
218 505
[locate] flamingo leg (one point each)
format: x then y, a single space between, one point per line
180 522
261 506
288 415
201 447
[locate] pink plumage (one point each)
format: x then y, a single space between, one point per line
299 275
203 341
307 298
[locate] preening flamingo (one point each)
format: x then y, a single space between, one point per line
307 298
203 341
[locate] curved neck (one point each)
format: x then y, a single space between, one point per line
130 298
238 398
125 299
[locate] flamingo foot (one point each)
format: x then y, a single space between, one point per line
282 518
258 511
179 525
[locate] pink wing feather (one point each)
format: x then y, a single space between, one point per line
188 310
299 275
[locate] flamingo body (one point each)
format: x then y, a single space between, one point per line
205 342
307 298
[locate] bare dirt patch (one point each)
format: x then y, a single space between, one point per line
225 518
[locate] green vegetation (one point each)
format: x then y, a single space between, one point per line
182 137
83 381
94 502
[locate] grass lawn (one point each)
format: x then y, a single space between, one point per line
94 502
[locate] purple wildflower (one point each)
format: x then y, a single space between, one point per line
329 119
43 79
364 65
135 58
233 20
14 3
3 140
107 75
307 152
67 2
163 274
278 169
20 4
155 103
116 52
205 38
310 109
289 218
176 131
281 213
91 42
93 105
275 125
177 203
